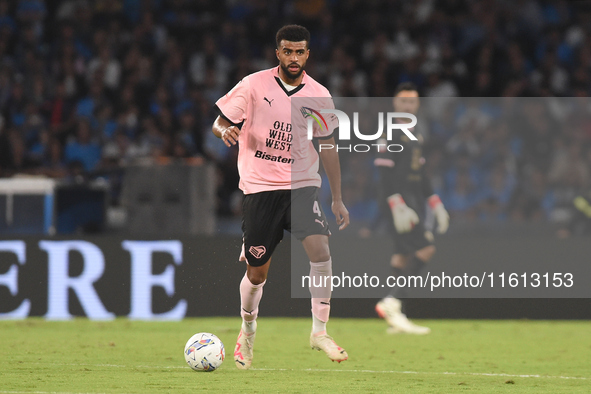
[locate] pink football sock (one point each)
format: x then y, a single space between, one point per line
250 296
321 295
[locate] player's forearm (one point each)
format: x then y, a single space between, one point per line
332 167
226 131
219 126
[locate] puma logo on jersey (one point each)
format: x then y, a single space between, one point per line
257 251
267 100
319 221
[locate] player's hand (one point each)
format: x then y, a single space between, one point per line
404 217
341 213
230 135
440 213
442 219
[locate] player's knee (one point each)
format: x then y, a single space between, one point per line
317 248
426 253
257 275
320 256
398 261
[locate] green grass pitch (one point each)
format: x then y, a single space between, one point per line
122 356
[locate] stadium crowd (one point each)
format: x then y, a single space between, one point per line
87 87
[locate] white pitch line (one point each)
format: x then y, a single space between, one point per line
113 366
504 375
43 392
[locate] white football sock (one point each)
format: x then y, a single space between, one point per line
248 327
318 325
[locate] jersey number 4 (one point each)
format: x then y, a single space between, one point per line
316 209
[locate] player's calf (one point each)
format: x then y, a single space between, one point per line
250 296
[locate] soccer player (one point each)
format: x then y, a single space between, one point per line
278 169
407 191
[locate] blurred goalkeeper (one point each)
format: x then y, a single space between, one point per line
407 191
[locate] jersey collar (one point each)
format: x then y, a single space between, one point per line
293 91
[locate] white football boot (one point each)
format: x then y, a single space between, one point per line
329 346
389 308
243 351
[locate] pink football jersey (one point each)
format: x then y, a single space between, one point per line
274 150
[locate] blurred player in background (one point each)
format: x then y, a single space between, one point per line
406 190
251 114
580 220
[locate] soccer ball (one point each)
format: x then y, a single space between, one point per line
204 352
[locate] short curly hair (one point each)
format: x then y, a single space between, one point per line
293 33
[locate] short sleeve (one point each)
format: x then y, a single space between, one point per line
329 122
234 105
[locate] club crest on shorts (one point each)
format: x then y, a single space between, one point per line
257 251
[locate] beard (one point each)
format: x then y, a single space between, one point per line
291 75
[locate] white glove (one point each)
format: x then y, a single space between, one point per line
404 217
440 213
